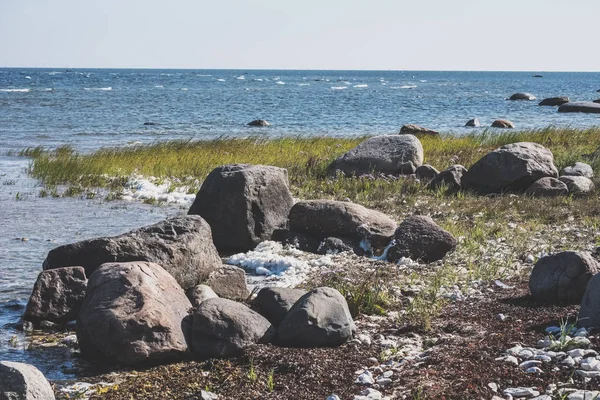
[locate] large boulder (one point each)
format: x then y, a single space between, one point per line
418 237
589 312
388 154
578 185
132 314
473 123
229 282
547 187
580 106
223 328
329 218
20 381
243 204
412 129
450 178
561 278
514 166
578 169
57 295
273 303
182 245
503 123
320 318
522 96
554 101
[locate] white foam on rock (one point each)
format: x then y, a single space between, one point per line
140 189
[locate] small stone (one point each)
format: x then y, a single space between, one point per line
534 370
372 361
514 351
366 378
581 332
530 364
542 358
382 381
530 259
27 326
364 339
70 341
493 387
526 354
369 394
47 325
576 353
333 397
569 362
510 360
588 374
520 392
502 317
388 374
204 395
553 329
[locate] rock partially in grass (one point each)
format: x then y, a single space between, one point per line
57 295
547 187
243 204
562 278
554 101
589 312
132 314
387 154
580 107
229 281
514 166
273 303
182 245
503 123
578 169
450 178
473 123
578 185
418 237
412 129
199 294
320 318
426 173
522 96
259 122
328 218
223 328
20 381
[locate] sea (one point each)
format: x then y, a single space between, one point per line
92 108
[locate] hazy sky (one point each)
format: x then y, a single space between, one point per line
536 35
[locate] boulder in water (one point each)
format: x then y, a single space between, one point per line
554 101
580 107
503 123
412 129
522 96
259 122
473 123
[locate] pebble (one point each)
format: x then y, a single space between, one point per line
526 354
514 351
366 378
70 340
542 397
333 397
47 325
204 395
382 381
590 364
584 395
581 332
530 364
576 353
542 358
373 361
569 362
493 387
388 374
364 339
530 259
502 317
552 329
369 394
588 374
520 392
534 370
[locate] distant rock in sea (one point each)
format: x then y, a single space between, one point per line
412 129
502 123
580 106
259 122
473 123
522 96
554 101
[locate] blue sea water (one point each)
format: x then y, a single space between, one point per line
93 108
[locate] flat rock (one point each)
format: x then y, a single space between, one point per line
412 129
578 185
229 282
20 381
387 154
562 278
418 237
273 303
243 204
57 295
554 101
182 245
132 314
578 169
199 294
522 96
580 106
547 187
503 123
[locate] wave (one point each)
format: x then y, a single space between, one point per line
159 86
339 87
405 87
361 86
257 80
423 80
48 89
203 75
184 89
220 80
15 90
27 77
100 88
241 78
304 84
54 73
280 83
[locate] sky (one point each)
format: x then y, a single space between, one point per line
472 35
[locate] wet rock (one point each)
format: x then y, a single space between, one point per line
426 173
514 166
200 293
578 185
547 187
579 169
20 381
243 204
259 122
522 96
418 237
554 101
580 106
503 123
450 178
298 240
412 129
229 282
57 295
328 218
473 123
387 154
319 318
273 303
333 245
596 101
562 278
182 245
132 314
223 328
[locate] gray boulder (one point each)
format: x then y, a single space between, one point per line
329 218
132 314
589 312
580 107
547 187
223 328
554 101
503 123
387 154
426 173
229 282
579 169
450 178
418 237
473 123
578 185
182 245
522 96
57 295
319 318
200 293
20 381
259 122
561 278
243 204
412 129
273 303
514 166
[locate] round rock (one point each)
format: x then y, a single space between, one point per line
418 237
580 107
578 185
273 303
20 381
522 96
412 129
426 173
259 122
554 101
579 169
547 187
503 123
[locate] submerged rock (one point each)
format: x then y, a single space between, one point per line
554 101
259 122
412 129
20 381
580 106
503 123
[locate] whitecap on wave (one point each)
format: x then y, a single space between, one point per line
241 77
361 86
280 83
159 86
339 87
405 87
423 80
221 80
184 89
99 88
27 77
15 90
304 84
